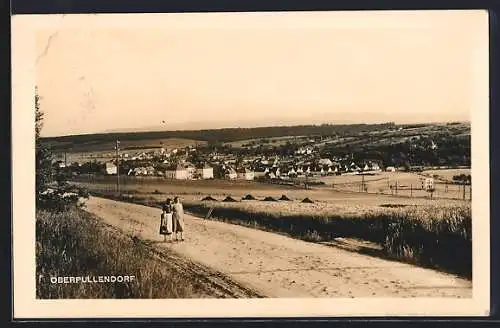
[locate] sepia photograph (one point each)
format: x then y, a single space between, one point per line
291 164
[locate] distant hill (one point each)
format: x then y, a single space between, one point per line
179 139
96 141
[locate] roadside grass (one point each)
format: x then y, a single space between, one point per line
75 243
430 236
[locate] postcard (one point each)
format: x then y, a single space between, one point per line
285 164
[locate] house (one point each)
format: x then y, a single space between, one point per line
271 175
230 174
325 162
376 167
178 172
190 170
276 171
150 170
260 172
428 184
354 167
205 172
245 174
292 172
390 169
110 168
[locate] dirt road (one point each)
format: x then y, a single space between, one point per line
278 266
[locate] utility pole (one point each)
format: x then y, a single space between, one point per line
463 189
117 147
411 190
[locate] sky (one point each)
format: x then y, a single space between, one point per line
243 70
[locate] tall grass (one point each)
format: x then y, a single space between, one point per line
74 243
432 236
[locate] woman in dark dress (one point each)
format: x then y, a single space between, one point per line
166 220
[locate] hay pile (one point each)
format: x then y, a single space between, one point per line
209 198
307 200
248 197
283 197
229 199
269 199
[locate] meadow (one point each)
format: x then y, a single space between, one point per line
344 188
104 150
428 232
409 184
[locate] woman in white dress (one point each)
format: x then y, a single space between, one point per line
166 220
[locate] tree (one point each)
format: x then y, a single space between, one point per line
43 156
63 194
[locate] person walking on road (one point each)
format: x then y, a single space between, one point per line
178 219
166 224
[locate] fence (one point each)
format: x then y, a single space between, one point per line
414 189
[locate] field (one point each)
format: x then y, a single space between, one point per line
275 141
103 150
408 184
446 175
344 188
406 228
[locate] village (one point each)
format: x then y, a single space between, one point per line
193 163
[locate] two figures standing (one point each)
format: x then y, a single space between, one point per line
172 220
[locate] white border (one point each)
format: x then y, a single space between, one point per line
23 80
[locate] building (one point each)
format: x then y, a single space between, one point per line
205 172
178 172
230 174
325 162
245 174
260 172
390 169
110 168
428 184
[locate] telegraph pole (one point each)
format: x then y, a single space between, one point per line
463 189
117 147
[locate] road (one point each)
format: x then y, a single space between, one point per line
275 266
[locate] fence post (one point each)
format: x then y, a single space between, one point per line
411 190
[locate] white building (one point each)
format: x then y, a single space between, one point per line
260 172
231 174
390 169
111 168
205 172
178 173
245 174
429 184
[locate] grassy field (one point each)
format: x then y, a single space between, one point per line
447 174
423 231
345 190
105 150
74 243
408 184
